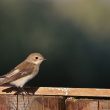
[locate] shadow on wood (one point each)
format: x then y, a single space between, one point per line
28 90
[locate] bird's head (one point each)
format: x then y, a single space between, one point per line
35 58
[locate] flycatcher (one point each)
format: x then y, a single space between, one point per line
23 72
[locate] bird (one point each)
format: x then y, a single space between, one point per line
23 72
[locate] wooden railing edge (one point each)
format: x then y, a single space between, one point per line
61 91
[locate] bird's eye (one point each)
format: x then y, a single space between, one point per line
36 57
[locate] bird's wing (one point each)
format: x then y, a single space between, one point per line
21 70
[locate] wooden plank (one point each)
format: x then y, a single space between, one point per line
8 102
40 101
71 104
92 92
81 104
28 102
87 104
104 104
45 103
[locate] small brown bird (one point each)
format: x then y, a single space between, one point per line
23 72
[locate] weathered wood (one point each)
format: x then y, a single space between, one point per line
92 92
104 104
8 102
20 102
81 104
55 99
87 104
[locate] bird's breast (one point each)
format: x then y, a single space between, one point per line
20 82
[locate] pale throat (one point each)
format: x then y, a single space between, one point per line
37 62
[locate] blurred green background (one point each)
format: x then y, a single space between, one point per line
74 37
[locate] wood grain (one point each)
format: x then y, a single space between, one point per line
81 104
28 102
92 92
104 104
48 98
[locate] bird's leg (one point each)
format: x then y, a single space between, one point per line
24 90
21 90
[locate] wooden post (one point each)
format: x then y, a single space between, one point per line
48 98
81 104
28 102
